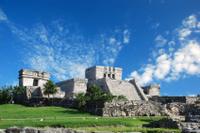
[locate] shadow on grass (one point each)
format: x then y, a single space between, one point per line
74 112
162 123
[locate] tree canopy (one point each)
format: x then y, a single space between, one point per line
50 88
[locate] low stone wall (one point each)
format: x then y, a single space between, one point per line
127 109
48 130
172 99
49 102
192 100
168 99
190 127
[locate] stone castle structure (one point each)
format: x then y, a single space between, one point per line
107 78
34 82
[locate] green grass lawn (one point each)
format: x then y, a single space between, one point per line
21 116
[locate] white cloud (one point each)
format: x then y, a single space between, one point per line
162 67
187 60
112 40
126 36
160 41
174 62
63 51
190 21
144 78
3 16
183 33
189 26
155 26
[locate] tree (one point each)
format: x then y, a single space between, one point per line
19 94
6 94
50 88
81 100
95 93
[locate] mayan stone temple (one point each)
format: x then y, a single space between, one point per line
107 78
34 82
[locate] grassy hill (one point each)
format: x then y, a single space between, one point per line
21 116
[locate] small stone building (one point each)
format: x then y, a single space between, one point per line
32 78
34 82
99 72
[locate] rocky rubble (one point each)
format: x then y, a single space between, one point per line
47 130
190 112
132 108
176 108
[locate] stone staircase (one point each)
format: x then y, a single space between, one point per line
131 91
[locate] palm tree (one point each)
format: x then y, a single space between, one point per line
81 100
49 88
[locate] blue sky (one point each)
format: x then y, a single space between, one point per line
153 41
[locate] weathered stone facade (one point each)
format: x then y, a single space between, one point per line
130 90
34 82
172 99
73 86
99 72
32 78
46 130
107 78
127 109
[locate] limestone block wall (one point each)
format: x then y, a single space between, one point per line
80 85
26 82
120 87
168 99
47 130
98 72
73 86
171 99
28 77
154 91
41 82
192 100
33 91
127 109
90 73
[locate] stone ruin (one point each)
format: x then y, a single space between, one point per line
141 100
34 82
107 78
73 86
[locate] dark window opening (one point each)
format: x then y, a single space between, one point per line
113 76
35 82
109 75
104 75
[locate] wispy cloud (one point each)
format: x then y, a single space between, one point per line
175 58
3 16
160 41
62 49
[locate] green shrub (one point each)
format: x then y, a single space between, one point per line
19 94
81 100
94 94
6 94
50 88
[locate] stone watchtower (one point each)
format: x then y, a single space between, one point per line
32 78
33 81
99 72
